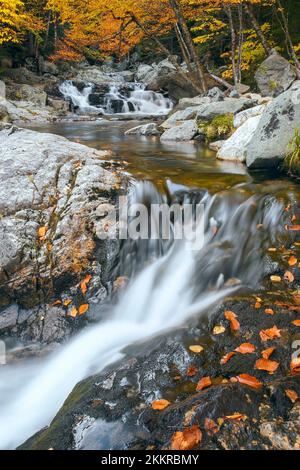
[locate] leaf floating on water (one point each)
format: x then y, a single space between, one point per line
211 427
269 311
246 348
267 353
187 439
218 330
293 261
160 404
269 334
237 417
203 383
292 395
227 357
83 309
275 279
266 365
249 380
234 323
196 348
289 277
74 312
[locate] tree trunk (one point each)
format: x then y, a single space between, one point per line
258 30
241 41
183 47
285 27
233 43
189 42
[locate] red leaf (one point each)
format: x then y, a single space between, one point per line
204 383
245 348
252 382
267 365
231 316
187 439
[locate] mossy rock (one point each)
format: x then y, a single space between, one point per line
291 163
221 127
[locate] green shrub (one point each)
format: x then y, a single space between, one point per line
291 162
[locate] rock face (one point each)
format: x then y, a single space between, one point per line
145 130
50 192
4 115
275 75
184 115
243 116
275 131
183 132
97 76
153 75
229 106
27 93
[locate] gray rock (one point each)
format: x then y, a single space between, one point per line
145 130
275 75
275 130
2 90
127 75
235 148
243 116
143 73
183 132
152 75
196 101
229 106
27 93
184 115
50 67
215 146
215 94
25 111
4 115
59 105
97 76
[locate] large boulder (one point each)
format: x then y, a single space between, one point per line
275 130
50 68
4 114
60 106
181 115
50 192
183 132
153 75
235 148
275 75
2 90
22 75
195 101
229 106
97 76
243 116
29 93
145 130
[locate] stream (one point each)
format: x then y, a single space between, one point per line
170 287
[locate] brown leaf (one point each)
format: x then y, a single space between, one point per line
257 305
211 427
269 311
271 333
196 348
57 302
74 312
292 261
267 353
160 404
218 330
187 439
249 380
245 348
204 383
292 395
227 357
67 302
192 371
231 316
288 276
267 365
83 309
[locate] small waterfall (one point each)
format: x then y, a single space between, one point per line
118 98
176 285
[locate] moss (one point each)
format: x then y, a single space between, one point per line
221 127
273 85
291 162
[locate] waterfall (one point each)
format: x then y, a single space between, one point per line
177 284
129 98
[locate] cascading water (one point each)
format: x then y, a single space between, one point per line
177 285
130 98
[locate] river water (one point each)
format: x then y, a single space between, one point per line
177 285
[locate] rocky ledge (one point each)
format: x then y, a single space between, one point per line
51 200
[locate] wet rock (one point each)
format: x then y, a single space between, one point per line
217 145
275 75
146 130
275 130
182 132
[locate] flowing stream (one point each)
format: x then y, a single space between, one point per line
173 284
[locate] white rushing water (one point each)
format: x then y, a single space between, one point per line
165 294
130 98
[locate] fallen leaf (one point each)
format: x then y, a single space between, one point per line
187 439
218 330
83 309
269 311
67 302
275 278
245 348
57 302
231 316
292 395
249 380
160 404
211 427
42 232
271 333
205 382
84 283
196 348
189 416
296 322
292 261
267 353
227 357
288 276
192 371
267 365
293 228
258 305
74 312
295 365
237 417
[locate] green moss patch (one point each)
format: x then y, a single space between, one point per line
221 127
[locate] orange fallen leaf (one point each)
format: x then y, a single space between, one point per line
196 348
292 261
237 417
267 365
292 395
160 404
288 276
258 305
74 312
218 330
249 380
293 228
192 371
245 348
67 302
295 365
275 278
211 427
269 311
83 309
57 302
296 322
205 382
187 439
42 232
231 316
227 357
83 284
271 333
267 353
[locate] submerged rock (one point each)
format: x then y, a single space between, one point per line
275 75
146 130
